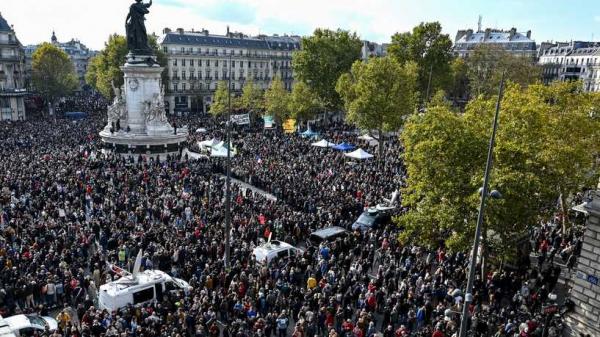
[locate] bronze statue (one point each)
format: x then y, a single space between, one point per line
137 38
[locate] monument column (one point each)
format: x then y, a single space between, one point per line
585 293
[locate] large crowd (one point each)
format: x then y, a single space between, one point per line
68 210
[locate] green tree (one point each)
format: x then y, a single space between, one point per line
546 147
379 94
53 73
430 50
323 58
252 98
220 101
277 100
105 67
488 62
459 90
304 104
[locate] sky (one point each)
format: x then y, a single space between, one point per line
376 20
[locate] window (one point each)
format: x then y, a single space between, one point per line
191 63
143 295
165 49
182 50
183 86
175 62
199 74
216 63
175 87
208 63
232 64
199 63
183 62
183 74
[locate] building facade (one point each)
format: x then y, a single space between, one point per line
79 54
515 43
12 74
372 49
571 61
197 61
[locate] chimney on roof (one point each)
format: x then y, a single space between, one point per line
513 32
228 31
488 31
529 34
180 31
166 30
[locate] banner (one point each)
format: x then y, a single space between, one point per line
289 126
243 119
268 121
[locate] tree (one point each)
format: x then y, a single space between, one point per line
431 50
220 101
277 100
546 147
304 104
53 73
459 90
323 58
105 67
488 62
379 94
251 98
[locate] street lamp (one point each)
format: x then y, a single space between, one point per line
484 195
227 262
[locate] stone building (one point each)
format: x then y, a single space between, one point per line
585 291
373 49
198 60
12 68
515 43
571 61
79 54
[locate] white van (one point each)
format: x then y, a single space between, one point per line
273 249
139 288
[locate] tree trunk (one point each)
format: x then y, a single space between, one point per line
381 141
563 210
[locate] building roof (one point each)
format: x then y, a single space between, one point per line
495 37
267 43
4 26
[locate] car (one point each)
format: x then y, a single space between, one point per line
273 250
371 219
327 234
29 325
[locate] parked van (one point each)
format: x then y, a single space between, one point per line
327 234
138 288
274 249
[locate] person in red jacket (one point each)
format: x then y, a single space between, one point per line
438 332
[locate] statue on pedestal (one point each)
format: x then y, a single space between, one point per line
137 37
117 110
155 110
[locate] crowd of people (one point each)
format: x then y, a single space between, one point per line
68 210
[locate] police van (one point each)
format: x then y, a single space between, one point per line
138 288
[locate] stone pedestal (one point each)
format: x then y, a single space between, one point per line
149 133
142 81
585 292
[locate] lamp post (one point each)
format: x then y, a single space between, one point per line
228 179
484 193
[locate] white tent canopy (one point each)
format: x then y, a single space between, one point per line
220 150
323 143
359 154
366 136
208 143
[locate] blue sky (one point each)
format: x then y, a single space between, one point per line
377 20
